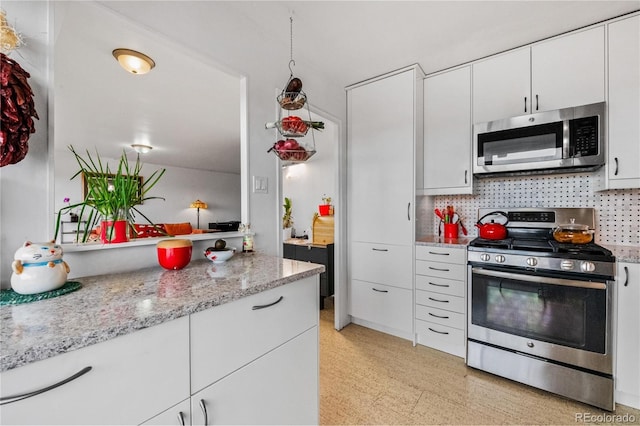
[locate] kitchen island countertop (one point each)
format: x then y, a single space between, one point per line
108 306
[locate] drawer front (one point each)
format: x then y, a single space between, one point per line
441 285
385 305
382 264
446 339
312 254
442 254
229 336
132 378
440 316
442 270
441 301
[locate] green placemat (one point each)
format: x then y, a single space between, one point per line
10 297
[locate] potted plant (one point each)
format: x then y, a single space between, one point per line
111 196
325 207
287 219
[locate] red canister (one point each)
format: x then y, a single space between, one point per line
174 254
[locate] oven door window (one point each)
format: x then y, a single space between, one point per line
542 142
564 315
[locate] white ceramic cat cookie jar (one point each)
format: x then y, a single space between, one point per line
38 267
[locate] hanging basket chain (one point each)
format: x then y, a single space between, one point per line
291 61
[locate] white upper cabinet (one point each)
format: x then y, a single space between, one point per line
558 73
447 133
502 86
624 103
568 71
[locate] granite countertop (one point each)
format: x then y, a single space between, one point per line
108 306
628 254
439 241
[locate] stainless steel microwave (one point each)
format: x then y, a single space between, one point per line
569 139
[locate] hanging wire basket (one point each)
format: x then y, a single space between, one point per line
294 127
292 100
291 151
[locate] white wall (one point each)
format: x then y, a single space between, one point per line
25 201
306 183
178 186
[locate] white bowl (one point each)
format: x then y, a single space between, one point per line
219 256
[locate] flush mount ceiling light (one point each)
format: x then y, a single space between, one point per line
140 148
134 62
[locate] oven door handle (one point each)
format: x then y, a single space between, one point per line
540 280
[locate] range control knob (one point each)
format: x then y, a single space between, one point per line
485 257
567 265
587 266
532 261
500 258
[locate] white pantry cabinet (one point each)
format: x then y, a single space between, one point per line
132 378
627 380
441 304
561 72
624 103
447 133
384 139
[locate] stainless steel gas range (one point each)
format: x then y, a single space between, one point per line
540 312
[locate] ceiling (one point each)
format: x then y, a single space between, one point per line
347 41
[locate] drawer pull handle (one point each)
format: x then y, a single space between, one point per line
379 291
615 173
204 412
15 398
439 254
256 307
437 300
439 269
439 285
438 316
377 249
180 418
439 332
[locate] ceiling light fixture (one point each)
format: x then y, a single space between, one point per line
140 148
134 62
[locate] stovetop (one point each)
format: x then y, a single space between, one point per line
583 251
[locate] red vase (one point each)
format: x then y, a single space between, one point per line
324 209
114 231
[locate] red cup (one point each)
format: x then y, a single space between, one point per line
451 230
174 254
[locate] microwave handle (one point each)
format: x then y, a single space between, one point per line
537 104
525 104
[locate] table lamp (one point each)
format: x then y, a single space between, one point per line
197 204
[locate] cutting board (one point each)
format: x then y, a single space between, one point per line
322 231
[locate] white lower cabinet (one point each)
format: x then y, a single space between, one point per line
251 361
382 307
274 389
132 378
627 379
441 306
179 414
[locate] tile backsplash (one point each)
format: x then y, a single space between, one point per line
617 211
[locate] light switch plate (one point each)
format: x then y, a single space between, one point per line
260 184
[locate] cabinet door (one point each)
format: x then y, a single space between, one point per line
624 103
502 86
628 335
178 415
388 307
279 388
447 133
381 159
229 336
133 378
568 71
383 264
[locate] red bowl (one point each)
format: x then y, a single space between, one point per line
174 254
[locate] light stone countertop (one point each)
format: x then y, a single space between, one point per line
439 241
108 306
628 254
